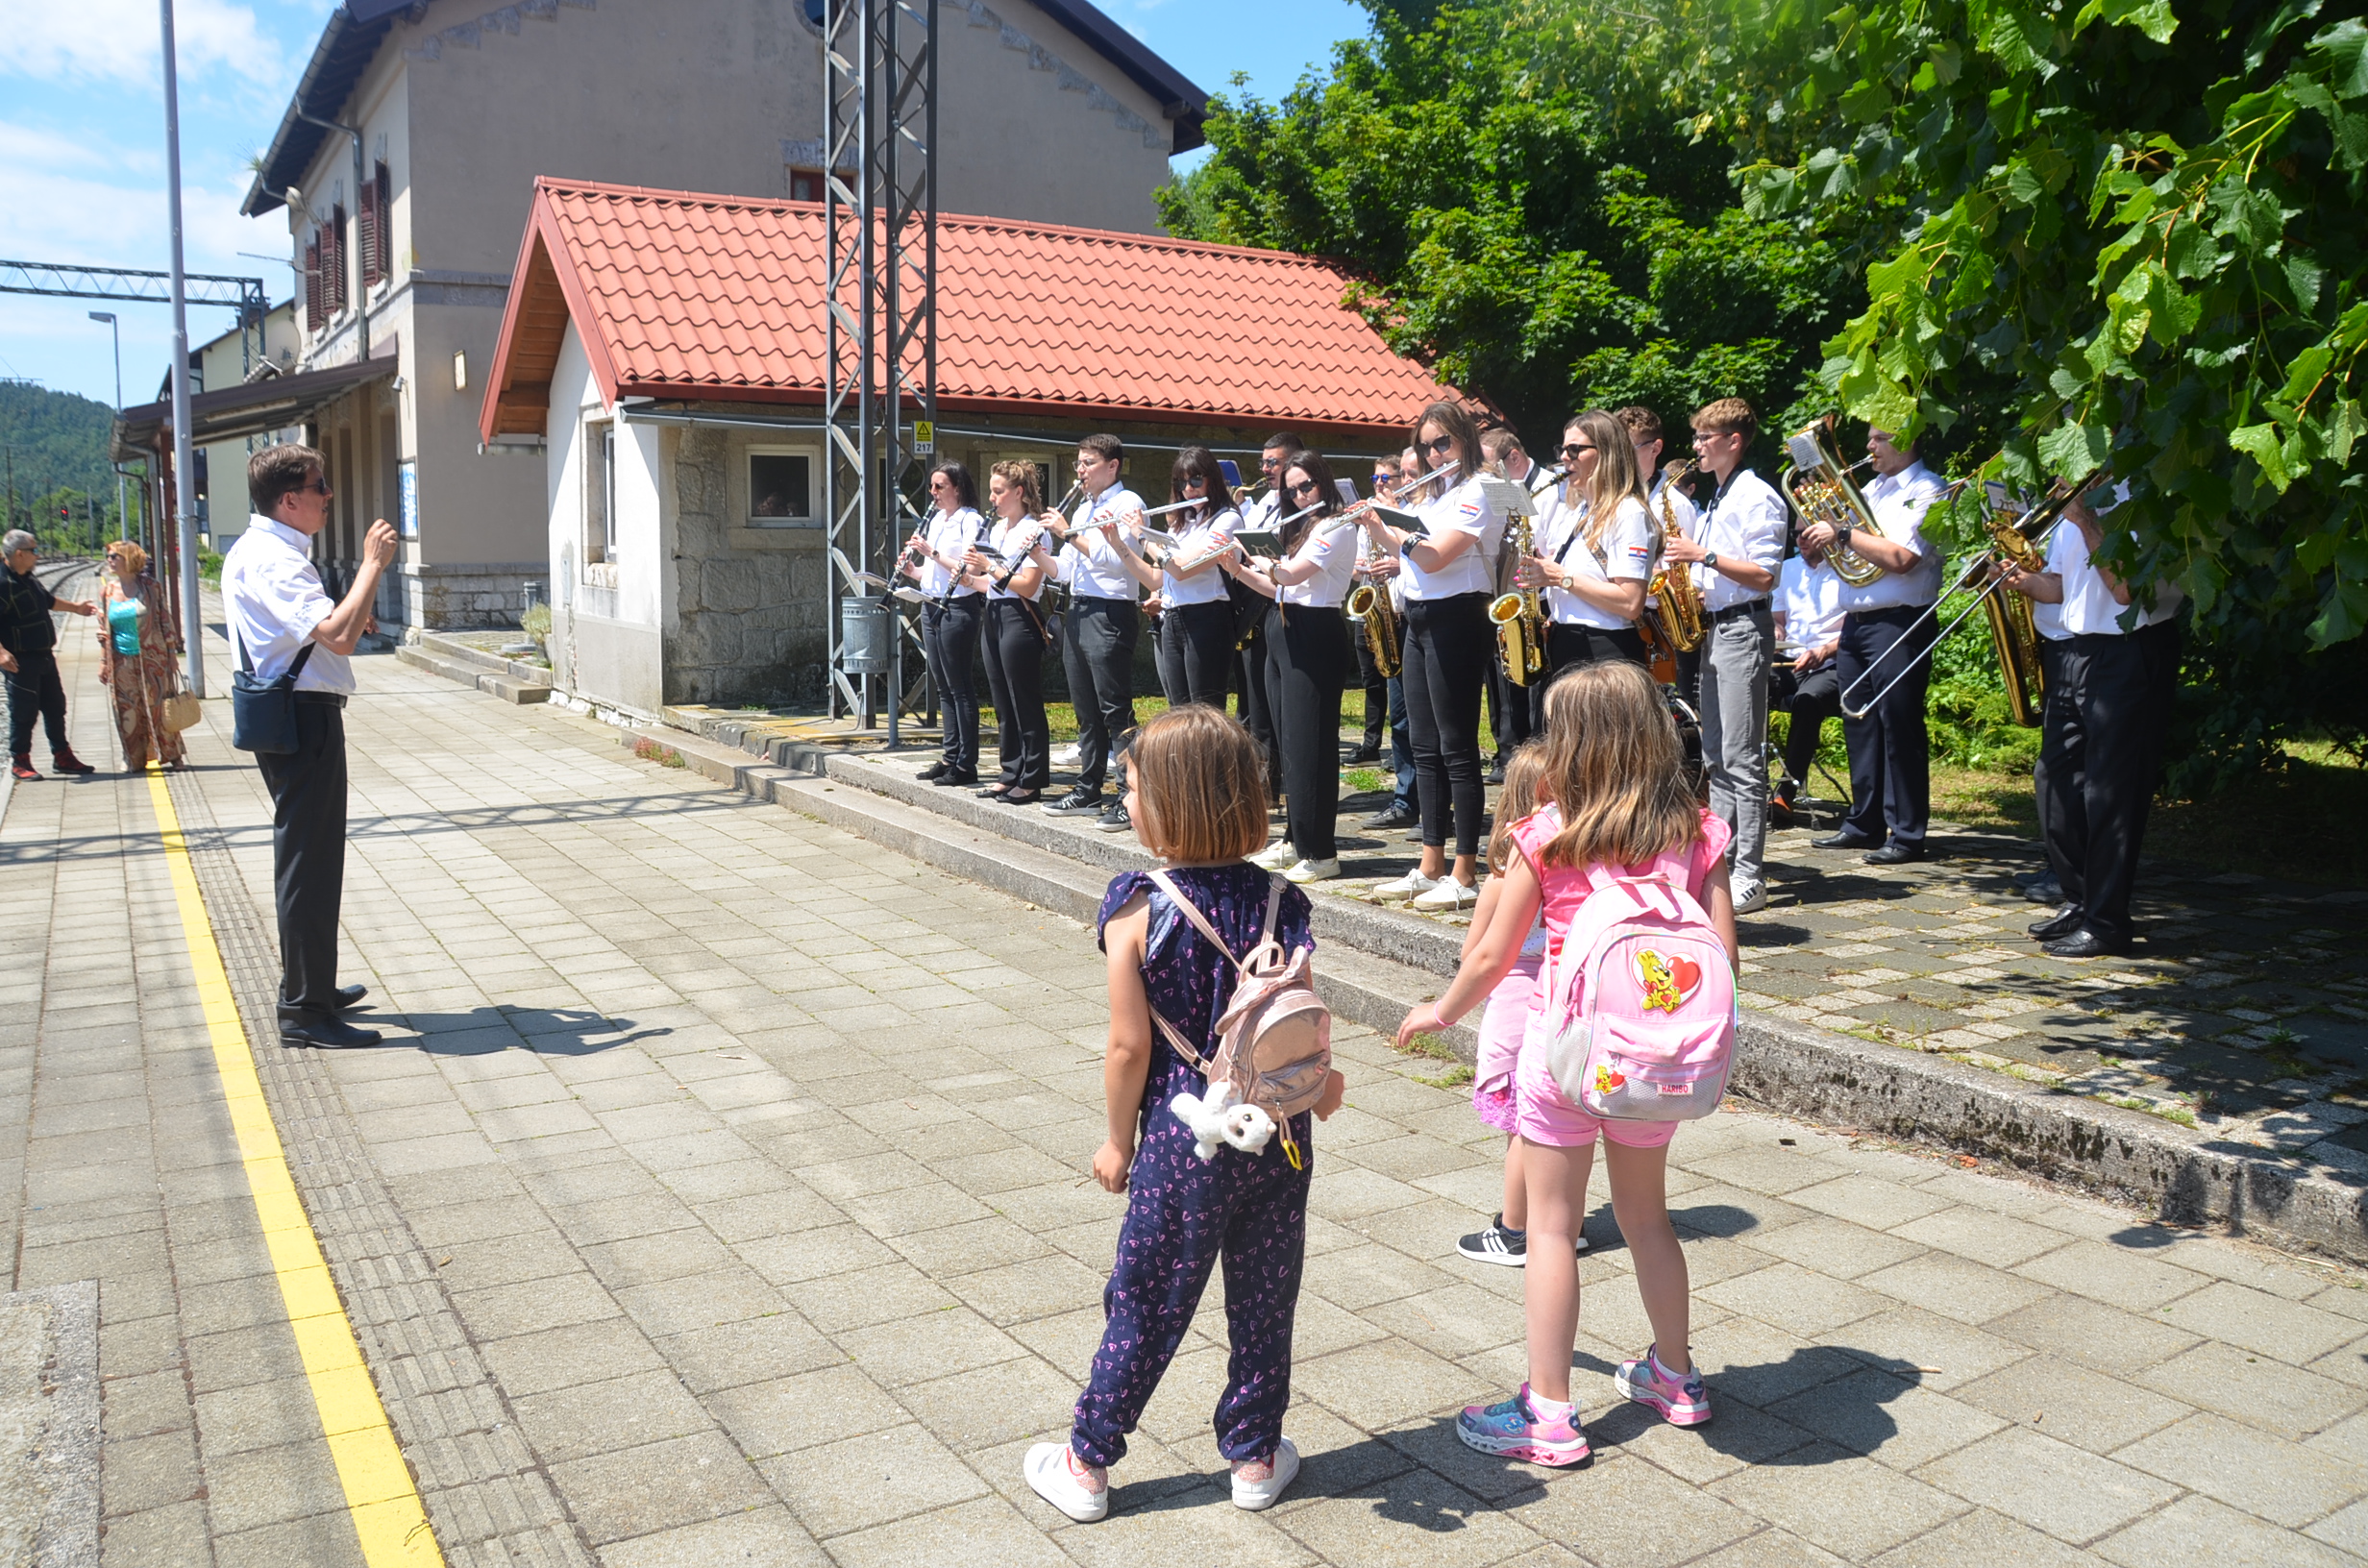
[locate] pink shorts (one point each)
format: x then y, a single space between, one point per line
1502 1025
1547 1115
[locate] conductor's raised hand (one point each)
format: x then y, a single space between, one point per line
378 544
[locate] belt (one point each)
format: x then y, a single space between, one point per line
1096 599
327 699
1889 612
1734 610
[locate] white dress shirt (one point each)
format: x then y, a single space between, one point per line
950 535
1899 502
1089 563
1623 555
1006 537
1810 600
1334 549
1745 523
272 597
1464 510
1192 542
2089 608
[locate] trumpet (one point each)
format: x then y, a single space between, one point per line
1820 483
1520 616
1677 599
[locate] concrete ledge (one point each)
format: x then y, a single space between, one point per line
445 647
498 678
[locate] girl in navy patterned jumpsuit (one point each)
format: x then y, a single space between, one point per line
1197 799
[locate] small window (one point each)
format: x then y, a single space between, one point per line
805 185
600 493
781 489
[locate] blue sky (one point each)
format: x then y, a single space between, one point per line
82 144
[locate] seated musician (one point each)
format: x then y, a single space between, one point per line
1808 623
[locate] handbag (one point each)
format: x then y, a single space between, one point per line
263 712
180 710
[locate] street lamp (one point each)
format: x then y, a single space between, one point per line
116 331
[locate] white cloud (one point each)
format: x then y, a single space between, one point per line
118 40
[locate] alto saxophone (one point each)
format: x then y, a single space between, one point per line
1677 600
1370 601
1520 616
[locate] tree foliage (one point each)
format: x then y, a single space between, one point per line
1536 200
2128 237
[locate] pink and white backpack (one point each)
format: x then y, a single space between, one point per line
1637 1005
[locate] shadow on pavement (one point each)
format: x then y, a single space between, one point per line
481 1031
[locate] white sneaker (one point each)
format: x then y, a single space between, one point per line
1447 894
1750 896
1255 1495
1313 870
1275 856
1047 1471
1408 886
1067 756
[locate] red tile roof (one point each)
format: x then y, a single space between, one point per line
684 296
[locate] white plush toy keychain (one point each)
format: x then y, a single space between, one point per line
1217 1120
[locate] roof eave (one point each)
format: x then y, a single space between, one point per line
295 143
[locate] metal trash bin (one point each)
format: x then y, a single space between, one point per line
865 626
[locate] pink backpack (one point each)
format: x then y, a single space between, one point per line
1638 1006
1274 1037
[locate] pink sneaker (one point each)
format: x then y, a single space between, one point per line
1512 1429
1682 1401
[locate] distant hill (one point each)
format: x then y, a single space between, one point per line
58 441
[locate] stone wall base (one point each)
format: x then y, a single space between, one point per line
463 595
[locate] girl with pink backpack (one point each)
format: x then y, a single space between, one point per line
1634 1032
1220 1055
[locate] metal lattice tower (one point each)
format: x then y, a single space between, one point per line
244 295
879 400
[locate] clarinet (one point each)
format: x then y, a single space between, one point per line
946 600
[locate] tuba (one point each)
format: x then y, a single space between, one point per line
1677 598
1820 487
1519 615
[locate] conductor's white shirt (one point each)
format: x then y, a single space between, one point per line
272 597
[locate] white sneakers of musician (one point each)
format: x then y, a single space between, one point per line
1313 870
1445 896
1750 898
1067 756
1275 856
1413 883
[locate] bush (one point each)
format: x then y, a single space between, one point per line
536 623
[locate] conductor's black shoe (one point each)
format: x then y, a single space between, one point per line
935 772
1843 840
2085 944
348 996
1895 854
325 1034
1391 820
2046 891
2062 923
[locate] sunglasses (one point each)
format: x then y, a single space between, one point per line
1304 487
1440 443
318 487
1574 449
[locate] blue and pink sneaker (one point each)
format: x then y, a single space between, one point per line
1682 1401
1512 1429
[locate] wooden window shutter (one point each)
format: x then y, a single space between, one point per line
368 218
315 318
334 259
382 253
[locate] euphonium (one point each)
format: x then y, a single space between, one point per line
1677 599
1520 616
1820 486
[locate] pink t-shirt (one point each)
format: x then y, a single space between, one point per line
1565 887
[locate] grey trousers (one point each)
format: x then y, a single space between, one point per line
1735 660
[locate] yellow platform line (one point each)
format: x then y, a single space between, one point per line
378 1492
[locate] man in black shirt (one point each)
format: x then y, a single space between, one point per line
27 654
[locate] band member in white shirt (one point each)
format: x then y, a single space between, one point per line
1664 497
1809 618
1516 713
2100 742
1010 568
1196 637
1735 556
1885 633
1594 549
955 616
1260 515
1098 648
1308 664
1450 646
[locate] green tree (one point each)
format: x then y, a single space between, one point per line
2127 237
1535 197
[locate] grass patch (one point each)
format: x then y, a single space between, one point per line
665 756
1432 1046
1455 1077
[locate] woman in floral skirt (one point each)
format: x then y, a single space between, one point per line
137 656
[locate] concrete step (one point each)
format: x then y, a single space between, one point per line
506 686
456 651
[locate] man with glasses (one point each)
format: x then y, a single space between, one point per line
1097 651
1736 555
29 657
282 620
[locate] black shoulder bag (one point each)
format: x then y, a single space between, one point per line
263 712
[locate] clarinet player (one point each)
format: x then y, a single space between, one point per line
956 618
1010 570
1194 640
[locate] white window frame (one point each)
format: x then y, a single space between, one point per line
597 476
812 453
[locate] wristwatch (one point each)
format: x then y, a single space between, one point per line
1711 560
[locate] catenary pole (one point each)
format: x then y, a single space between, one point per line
184 496
116 330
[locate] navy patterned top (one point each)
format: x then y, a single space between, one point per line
1188 980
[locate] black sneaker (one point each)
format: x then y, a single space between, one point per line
1077 800
1391 820
1369 752
932 774
1497 1244
1115 820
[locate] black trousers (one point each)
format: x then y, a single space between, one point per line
307 854
1195 653
1450 646
951 630
36 691
1890 753
1015 659
1814 698
2099 759
1256 713
1569 647
1514 711
1098 654
1308 661
1375 684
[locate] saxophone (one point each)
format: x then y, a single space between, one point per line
1519 615
1370 601
1677 600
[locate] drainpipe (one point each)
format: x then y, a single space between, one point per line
361 292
